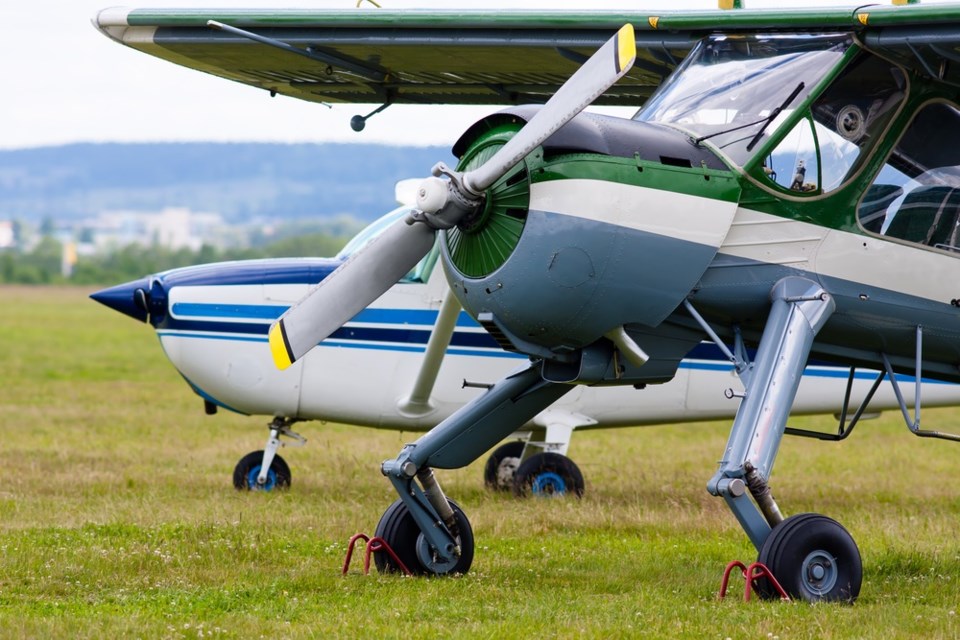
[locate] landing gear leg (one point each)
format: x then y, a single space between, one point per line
265 470
444 543
813 557
539 466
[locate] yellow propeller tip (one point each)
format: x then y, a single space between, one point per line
279 348
626 47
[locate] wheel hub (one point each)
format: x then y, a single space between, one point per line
254 474
507 471
549 484
819 572
429 559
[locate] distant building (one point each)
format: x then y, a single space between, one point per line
7 237
173 228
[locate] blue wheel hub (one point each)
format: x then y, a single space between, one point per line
266 486
548 483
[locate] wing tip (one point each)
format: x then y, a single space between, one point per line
280 347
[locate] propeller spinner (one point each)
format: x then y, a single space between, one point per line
443 201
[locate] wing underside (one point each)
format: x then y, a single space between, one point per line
474 57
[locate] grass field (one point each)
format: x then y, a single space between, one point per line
118 517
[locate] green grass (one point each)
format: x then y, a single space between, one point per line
118 518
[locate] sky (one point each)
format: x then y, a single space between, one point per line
66 83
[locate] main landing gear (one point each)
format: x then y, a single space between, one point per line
265 470
813 557
542 474
423 526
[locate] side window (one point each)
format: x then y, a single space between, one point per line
853 113
847 119
916 196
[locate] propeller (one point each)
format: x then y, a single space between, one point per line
443 200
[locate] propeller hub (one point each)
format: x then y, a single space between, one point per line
432 195
443 203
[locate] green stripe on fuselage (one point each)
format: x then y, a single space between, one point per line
697 181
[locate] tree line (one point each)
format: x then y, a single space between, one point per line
43 264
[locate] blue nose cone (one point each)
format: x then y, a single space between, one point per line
131 298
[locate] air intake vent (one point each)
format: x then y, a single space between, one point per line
486 321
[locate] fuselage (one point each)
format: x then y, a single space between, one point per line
802 156
212 323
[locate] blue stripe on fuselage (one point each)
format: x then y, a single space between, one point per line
424 317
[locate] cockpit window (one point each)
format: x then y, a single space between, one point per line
794 164
916 196
729 89
831 143
420 273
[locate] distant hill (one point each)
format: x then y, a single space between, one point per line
241 181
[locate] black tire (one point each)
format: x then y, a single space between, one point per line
246 472
548 474
502 466
398 528
814 558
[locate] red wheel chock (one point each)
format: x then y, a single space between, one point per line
373 544
754 572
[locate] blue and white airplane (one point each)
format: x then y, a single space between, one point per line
421 357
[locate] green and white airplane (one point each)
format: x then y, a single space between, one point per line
790 184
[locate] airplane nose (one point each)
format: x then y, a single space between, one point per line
130 298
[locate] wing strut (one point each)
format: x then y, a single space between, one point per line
914 425
418 402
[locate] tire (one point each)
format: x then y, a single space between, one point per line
502 466
246 472
398 528
548 474
814 558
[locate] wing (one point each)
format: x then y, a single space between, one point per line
929 46
378 56
482 57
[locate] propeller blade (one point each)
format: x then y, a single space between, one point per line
367 274
360 280
610 63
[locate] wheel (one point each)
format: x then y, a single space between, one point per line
398 528
548 474
502 466
246 472
814 558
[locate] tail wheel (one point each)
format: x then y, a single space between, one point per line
247 471
398 528
502 466
814 558
548 474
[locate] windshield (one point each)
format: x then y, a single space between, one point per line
419 273
736 91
